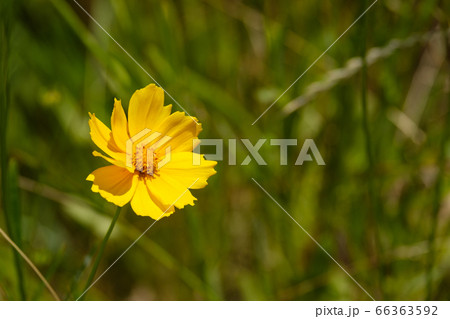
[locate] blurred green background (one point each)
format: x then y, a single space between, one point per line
380 207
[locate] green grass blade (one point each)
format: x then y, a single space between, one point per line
10 197
14 220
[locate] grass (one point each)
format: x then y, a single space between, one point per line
9 170
373 218
379 206
438 189
100 252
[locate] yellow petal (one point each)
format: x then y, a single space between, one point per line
119 125
113 161
183 131
144 204
170 192
183 168
115 184
102 137
146 109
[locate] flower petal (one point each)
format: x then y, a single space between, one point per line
113 161
170 192
102 137
119 125
115 184
144 204
187 167
146 109
183 131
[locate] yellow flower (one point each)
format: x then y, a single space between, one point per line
154 180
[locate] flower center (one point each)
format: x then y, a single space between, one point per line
145 162
141 152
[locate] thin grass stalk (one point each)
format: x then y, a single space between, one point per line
30 263
373 207
100 252
438 189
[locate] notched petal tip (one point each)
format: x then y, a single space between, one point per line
146 109
212 163
114 184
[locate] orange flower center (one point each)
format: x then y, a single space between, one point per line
145 162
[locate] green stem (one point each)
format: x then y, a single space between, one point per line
373 203
101 250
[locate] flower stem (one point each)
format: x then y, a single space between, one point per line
102 249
